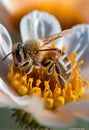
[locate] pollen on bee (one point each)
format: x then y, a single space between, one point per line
51 91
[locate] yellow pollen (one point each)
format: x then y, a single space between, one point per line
35 91
22 90
47 92
23 80
53 94
59 101
15 84
49 102
29 84
64 48
57 91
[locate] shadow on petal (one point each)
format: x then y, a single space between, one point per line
5 48
78 109
78 40
5 42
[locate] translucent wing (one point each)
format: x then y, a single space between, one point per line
56 36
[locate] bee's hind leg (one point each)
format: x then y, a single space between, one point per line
60 77
62 81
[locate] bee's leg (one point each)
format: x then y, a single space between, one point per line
24 65
49 64
60 77
51 68
37 65
29 69
62 81
46 63
50 71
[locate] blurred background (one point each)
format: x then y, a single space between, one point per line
68 12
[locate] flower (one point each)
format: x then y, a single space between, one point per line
40 25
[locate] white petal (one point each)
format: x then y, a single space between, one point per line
5 101
85 68
10 98
47 117
38 25
6 89
34 106
78 40
5 42
65 116
78 109
5 48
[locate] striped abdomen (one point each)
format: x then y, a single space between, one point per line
63 63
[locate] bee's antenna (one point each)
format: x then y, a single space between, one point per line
6 56
50 49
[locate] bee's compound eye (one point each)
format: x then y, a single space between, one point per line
19 56
19 46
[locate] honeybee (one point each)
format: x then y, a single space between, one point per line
35 53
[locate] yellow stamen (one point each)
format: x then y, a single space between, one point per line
51 91
23 80
22 90
16 84
35 91
47 92
59 101
71 98
29 84
57 91
64 48
17 76
49 103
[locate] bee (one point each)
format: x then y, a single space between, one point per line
37 53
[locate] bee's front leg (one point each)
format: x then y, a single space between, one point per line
29 69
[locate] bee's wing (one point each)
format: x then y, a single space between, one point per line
55 36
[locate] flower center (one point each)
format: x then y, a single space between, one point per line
35 84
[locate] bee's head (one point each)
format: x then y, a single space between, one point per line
21 57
